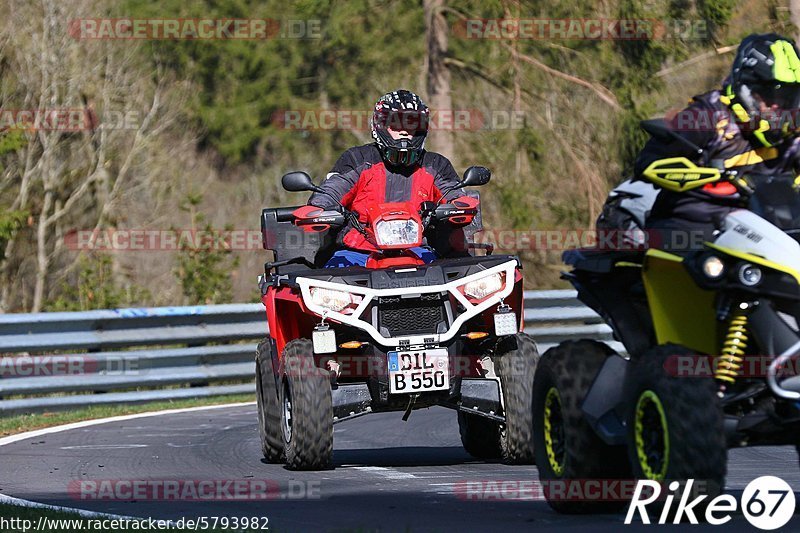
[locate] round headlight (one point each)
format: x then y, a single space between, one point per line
750 275
713 267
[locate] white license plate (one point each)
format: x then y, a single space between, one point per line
418 371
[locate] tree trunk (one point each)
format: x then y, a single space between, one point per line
794 16
438 80
42 256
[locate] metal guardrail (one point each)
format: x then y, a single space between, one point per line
193 351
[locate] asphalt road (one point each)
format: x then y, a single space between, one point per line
388 475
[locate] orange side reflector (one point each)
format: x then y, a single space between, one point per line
351 344
474 335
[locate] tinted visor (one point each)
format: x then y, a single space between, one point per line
782 95
404 158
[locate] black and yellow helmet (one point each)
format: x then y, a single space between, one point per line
765 84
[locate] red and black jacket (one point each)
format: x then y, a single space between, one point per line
360 178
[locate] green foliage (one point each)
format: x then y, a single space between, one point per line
205 261
243 87
10 223
716 13
568 91
11 141
690 27
530 141
97 288
645 55
630 136
515 211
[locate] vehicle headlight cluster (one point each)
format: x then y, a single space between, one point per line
396 232
748 274
332 299
485 286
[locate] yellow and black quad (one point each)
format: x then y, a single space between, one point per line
709 339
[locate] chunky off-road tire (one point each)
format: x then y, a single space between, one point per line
269 411
568 451
306 409
480 436
675 424
516 367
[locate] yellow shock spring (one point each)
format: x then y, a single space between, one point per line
733 350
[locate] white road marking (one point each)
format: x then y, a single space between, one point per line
10 500
5 441
388 473
122 418
104 447
137 436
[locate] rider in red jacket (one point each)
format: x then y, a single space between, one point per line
394 168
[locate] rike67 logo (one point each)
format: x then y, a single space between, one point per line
767 502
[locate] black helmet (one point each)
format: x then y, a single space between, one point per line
766 69
400 110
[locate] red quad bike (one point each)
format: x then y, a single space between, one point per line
396 335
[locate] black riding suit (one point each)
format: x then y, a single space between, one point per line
709 124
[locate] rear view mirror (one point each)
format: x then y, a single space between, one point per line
476 176
297 182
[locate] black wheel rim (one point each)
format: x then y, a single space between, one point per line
287 412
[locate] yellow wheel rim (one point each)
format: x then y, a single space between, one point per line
652 436
554 431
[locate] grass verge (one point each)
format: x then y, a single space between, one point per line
20 423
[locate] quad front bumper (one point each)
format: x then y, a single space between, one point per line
358 317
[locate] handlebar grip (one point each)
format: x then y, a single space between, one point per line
338 220
285 214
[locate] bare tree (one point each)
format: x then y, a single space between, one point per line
70 175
